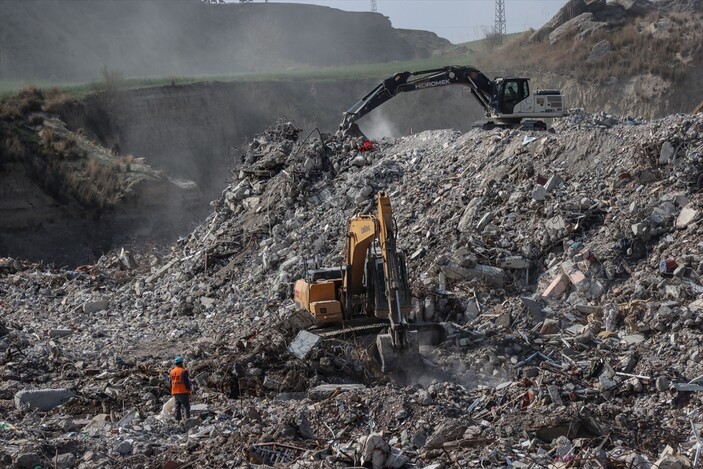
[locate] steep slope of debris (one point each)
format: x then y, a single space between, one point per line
564 266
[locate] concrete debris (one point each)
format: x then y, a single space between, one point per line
599 51
303 343
568 330
324 391
42 399
687 216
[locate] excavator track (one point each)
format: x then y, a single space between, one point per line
349 331
374 328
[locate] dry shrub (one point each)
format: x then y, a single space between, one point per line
36 119
64 145
94 184
125 163
47 135
12 149
10 109
112 80
30 99
55 101
92 168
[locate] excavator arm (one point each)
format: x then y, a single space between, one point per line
361 232
479 85
392 270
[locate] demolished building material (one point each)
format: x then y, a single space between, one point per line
604 372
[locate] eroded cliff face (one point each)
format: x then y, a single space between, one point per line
186 133
37 226
647 96
65 199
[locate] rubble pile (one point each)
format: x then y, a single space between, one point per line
564 268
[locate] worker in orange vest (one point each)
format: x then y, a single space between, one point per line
180 388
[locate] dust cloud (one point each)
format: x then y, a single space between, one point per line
378 124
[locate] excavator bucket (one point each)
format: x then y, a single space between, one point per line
393 359
354 132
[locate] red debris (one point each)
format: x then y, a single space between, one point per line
366 146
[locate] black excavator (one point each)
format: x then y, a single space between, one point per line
506 101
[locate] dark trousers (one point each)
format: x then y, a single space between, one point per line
182 400
234 392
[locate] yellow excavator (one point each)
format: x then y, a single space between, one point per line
372 283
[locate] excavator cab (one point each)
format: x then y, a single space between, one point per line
508 92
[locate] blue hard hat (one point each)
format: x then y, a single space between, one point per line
179 359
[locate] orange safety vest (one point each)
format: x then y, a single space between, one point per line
177 384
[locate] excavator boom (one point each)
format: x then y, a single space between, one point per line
478 84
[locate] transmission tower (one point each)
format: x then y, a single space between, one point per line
374 7
499 28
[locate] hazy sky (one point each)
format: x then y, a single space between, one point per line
456 20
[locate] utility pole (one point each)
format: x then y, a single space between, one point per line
499 28
374 7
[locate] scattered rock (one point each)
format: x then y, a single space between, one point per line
42 399
599 51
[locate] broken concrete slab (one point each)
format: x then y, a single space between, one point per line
465 223
42 400
687 216
58 333
554 182
94 306
199 409
556 225
688 387
303 343
539 193
492 275
633 339
513 262
666 155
